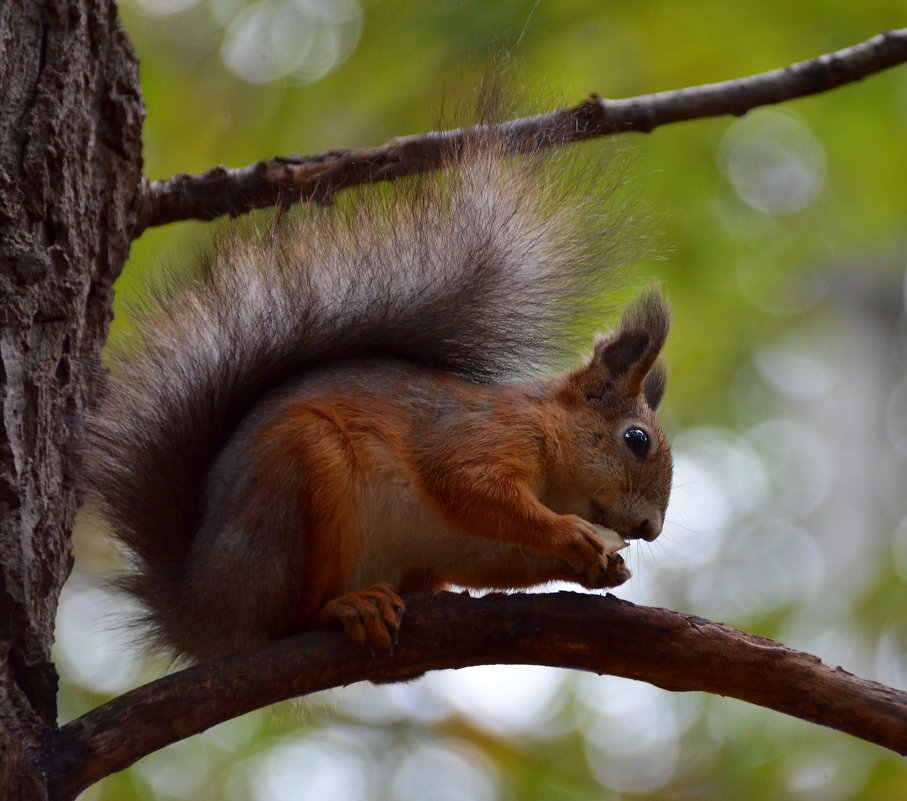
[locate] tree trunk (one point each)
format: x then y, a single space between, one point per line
70 169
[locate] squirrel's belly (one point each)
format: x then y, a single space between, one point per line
402 535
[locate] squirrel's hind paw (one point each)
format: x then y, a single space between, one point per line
371 616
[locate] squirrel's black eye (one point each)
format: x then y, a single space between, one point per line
637 441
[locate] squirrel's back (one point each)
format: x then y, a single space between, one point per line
476 271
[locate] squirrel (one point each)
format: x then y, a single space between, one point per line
357 406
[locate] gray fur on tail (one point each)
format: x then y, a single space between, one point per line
477 270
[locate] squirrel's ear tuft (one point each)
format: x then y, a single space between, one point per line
648 313
653 388
631 352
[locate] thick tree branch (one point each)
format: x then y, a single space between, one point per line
316 178
586 632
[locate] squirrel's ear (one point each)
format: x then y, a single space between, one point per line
630 353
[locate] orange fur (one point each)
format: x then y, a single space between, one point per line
411 480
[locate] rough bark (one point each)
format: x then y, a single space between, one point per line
70 169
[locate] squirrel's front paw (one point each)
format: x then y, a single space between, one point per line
594 562
581 547
614 573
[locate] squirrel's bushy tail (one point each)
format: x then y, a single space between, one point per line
478 270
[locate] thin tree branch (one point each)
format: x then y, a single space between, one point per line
316 178
586 632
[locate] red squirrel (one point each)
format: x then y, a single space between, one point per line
358 407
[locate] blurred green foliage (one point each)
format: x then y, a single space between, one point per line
742 277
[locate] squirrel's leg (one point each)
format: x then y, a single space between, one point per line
496 565
505 510
333 543
533 569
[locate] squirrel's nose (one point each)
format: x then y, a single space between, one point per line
648 530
